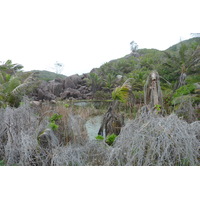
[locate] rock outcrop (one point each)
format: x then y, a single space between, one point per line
72 87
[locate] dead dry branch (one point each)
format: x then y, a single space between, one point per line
156 140
148 140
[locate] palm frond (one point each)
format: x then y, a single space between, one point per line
22 87
128 84
121 94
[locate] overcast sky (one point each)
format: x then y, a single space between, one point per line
84 34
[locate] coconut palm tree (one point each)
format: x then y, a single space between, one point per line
9 68
113 121
181 64
95 82
14 84
109 81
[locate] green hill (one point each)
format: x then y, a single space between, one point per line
145 59
181 59
47 76
191 41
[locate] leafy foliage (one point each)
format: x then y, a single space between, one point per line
184 90
55 117
53 126
67 105
121 94
110 139
94 81
99 137
47 76
14 83
181 63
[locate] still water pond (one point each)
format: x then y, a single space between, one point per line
93 125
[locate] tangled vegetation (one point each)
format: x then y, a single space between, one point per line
149 139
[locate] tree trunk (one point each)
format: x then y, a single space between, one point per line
112 122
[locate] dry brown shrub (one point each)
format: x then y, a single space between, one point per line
156 140
92 153
148 140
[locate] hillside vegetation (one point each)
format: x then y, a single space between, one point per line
47 76
178 68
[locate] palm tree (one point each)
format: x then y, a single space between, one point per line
12 91
14 84
181 64
94 81
138 78
124 92
9 68
110 81
113 121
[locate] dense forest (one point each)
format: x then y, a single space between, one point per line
148 103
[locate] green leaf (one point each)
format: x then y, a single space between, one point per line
55 117
110 139
121 94
99 137
53 126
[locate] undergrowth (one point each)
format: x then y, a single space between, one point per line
148 140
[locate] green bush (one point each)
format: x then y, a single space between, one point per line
99 137
158 107
55 117
53 126
139 95
101 95
67 105
184 90
110 139
194 78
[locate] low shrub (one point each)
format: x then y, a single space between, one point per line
110 139
55 117
156 140
53 126
184 90
99 137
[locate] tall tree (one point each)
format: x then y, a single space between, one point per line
58 67
134 46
